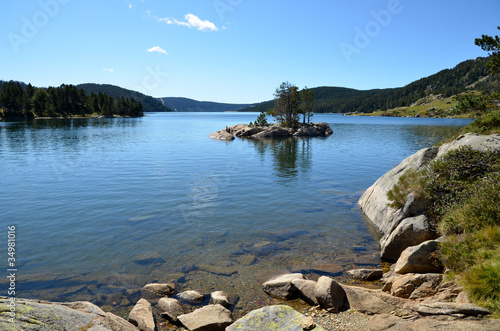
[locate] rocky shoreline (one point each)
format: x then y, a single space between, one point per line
272 131
413 297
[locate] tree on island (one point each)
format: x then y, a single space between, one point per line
288 106
307 105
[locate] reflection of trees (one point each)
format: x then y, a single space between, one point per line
291 155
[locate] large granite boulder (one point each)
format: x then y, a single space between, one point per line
277 318
208 318
48 316
374 202
419 259
410 232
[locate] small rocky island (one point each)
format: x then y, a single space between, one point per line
272 131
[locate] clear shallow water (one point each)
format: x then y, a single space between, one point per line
104 206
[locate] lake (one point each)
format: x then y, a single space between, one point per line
105 206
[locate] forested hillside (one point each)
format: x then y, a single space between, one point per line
149 104
25 101
185 104
470 74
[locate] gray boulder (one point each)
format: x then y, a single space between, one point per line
48 316
410 232
170 308
419 259
366 274
192 296
306 290
160 289
142 316
281 286
329 294
208 318
278 318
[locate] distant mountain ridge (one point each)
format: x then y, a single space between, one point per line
149 104
190 105
467 75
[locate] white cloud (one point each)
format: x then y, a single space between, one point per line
108 70
191 21
158 49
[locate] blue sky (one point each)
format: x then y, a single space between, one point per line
238 50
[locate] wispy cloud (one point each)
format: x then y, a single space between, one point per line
108 70
158 49
190 21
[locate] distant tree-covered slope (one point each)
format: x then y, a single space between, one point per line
470 74
149 104
190 105
18 100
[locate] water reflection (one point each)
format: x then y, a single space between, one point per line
291 156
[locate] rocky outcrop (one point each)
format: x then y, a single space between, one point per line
47 316
208 318
278 317
374 202
142 316
272 131
221 135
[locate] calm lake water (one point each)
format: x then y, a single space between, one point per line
105 206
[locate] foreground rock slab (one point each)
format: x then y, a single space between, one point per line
387 322
208 318
276 318
48 316
372 301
